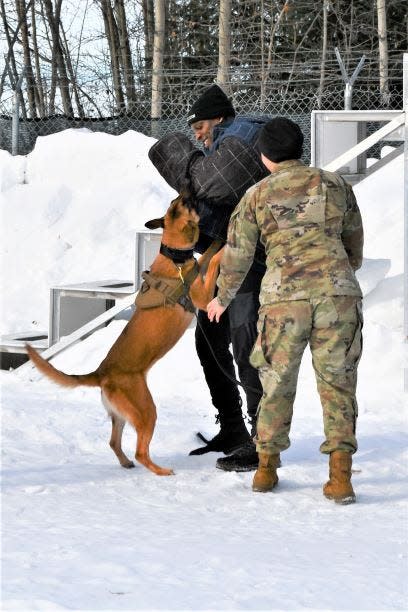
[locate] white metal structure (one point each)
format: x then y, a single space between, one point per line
77 310
396 129
72 306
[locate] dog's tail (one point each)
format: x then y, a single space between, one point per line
66 380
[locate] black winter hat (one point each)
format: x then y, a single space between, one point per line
280 139
211 104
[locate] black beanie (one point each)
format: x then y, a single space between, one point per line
280 139
211 104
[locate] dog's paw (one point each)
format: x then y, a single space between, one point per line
166 472
128 465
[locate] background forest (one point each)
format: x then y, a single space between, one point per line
146 59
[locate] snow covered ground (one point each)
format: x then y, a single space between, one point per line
81 533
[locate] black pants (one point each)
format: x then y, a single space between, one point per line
237 326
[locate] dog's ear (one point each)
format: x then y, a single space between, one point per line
155 223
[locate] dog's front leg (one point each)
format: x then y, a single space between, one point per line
204 260
202 290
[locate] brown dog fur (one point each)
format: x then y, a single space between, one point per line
149 335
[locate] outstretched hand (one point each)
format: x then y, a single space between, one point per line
215 310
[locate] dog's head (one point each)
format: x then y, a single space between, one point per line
179 224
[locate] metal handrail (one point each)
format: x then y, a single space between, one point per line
365 144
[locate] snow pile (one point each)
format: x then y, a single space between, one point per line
74 217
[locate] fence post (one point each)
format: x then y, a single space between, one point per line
16 112
349 81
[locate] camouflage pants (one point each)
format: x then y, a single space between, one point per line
332 326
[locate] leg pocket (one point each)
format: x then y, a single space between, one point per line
257 357
356 346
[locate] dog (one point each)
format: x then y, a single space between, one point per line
175 285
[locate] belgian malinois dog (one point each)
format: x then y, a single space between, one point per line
175 280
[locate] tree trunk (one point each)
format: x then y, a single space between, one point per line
224 46
148 23
29 76
267 68
72 75
10 67
157 74
383 51
54 20
40 99
125 54
112 35
324 55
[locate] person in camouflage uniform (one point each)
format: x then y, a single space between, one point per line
310 225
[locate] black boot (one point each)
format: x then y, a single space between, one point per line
244 459
233 434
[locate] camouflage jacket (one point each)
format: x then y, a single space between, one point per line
309 222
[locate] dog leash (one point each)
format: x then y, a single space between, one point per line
232 378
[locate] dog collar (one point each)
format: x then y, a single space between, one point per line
176 255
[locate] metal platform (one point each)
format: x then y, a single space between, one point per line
71 306
12 351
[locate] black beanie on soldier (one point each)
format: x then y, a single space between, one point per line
211 104
280 139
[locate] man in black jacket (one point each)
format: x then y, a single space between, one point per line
218 177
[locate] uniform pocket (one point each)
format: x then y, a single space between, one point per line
356 346
257 357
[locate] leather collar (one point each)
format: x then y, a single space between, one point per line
176 255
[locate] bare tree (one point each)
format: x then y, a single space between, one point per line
59 70
125 54
11 38
324 54
112 35
148 19
40 95
224 45
267 66
383 50
157 75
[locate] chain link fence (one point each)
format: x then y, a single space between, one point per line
296 105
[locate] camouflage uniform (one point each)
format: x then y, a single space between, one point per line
310 224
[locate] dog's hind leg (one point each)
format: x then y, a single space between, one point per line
115 441
143 419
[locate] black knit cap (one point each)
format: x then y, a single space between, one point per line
280 139
211 104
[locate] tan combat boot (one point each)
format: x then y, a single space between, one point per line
266 478
339 486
